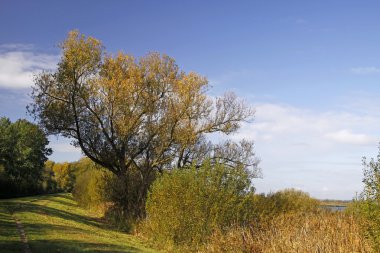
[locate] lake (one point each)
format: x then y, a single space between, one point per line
333 207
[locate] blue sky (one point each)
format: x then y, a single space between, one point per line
310 68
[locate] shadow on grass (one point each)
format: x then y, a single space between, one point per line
38 229
67 201
50 211
45 229
9 237
64 246
10 246
65 196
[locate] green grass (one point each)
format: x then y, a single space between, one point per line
9 237
55 223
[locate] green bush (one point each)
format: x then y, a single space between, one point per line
185 206
367 204
291 200
367 211
89 187
267 207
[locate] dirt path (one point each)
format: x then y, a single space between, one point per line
23 237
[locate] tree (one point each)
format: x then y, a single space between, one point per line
136 117
8 140
367 205
23 152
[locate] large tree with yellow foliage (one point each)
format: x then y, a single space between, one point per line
137 116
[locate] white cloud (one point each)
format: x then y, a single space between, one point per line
347 137
318 150
16 47
64 148
18 67
276 120
365 70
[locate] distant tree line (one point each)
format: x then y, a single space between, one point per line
23 153
24 166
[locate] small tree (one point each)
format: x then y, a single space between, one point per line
368 202
136 117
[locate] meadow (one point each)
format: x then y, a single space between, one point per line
55 223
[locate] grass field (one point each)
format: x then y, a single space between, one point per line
54 223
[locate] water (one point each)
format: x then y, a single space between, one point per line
334 208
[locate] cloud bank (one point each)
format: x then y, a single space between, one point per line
18 64
317 152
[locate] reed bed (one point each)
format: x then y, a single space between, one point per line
320 232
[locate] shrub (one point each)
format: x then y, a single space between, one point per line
185 206
88 190
291 200
367 204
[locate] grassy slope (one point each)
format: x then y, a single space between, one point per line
9 236
54 223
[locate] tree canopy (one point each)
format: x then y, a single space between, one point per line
137 115
23 152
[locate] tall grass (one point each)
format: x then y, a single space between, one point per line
283 222
318 232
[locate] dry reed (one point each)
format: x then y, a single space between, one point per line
320 232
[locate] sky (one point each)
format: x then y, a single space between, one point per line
311 70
